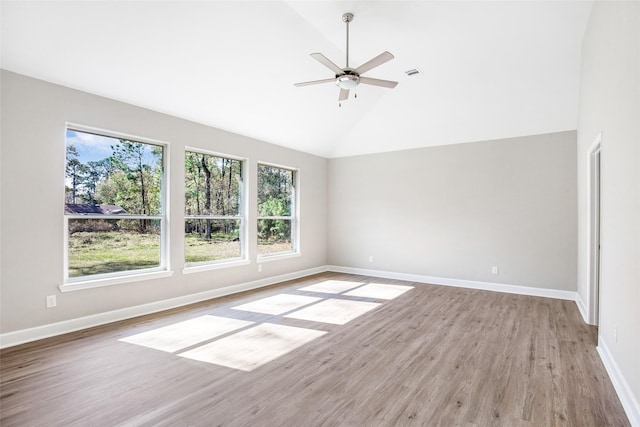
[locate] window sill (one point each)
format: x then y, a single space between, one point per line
214 266
109 281
277 257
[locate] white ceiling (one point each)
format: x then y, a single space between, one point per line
489 69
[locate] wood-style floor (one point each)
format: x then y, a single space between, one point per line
432 356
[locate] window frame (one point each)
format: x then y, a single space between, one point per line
243 259
294 217
114 278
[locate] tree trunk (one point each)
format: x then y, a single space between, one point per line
207 196
229 195
145 210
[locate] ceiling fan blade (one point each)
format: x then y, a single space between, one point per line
327 63
377 82
378 60
344 94
315 82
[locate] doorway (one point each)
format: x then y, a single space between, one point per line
595 197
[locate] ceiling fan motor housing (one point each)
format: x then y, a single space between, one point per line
347 81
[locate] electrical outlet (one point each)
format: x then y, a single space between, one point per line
51 301
370 258
259 268
494 270
615 333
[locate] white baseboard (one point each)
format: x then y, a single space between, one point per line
471 284
627 398
45 331
582 308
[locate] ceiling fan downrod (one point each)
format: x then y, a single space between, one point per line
347 17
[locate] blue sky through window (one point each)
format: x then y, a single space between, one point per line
90 147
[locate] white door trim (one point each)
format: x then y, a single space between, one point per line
594 180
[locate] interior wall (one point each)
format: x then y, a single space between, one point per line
456 211
610 103
34 116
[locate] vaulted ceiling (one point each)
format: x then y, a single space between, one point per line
489 69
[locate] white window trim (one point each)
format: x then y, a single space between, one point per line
243 259
278 256
214 153
115 278
131 276
295 218
214 265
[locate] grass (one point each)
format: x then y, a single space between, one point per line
265 248
197 249
111 251
103 252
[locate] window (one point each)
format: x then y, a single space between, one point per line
276 210
114 211
214 220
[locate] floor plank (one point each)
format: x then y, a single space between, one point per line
432 355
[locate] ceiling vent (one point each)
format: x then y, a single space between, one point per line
413 72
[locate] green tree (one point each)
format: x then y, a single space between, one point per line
275 195
212 187
96 171
141 165
275 229
207 195
75 174
193 183
275 183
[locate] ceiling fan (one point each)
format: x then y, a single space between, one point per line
348 78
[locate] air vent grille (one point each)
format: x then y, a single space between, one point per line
413 72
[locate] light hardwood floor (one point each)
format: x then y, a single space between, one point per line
432 356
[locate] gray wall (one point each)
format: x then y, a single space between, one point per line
34 114
455 211
610 103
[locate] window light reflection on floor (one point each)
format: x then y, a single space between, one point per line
181 335
332 286
253 347
334 311
379 291
277 304
245 345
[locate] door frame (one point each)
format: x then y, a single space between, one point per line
594 201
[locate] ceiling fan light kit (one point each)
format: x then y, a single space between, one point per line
349 78
348 81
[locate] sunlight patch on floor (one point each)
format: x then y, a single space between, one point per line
219 340
252 348
185 334
277 304
334 311
379 291
332 286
